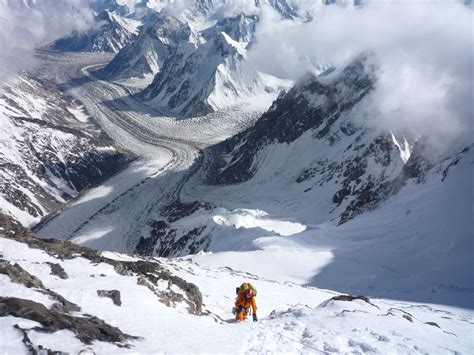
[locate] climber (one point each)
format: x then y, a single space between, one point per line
246 294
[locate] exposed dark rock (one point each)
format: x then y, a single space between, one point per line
36 349
113 294
26 339
454 162
57 269
372 195
58 156
18 275
349 298
163 240
86 329
146 246
64 306
433 324
153 272
180 210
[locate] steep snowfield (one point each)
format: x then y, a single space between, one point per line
159 306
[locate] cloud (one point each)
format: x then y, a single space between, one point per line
235 8
423 51
27 24
176 8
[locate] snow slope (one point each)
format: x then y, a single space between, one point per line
308 203
181 296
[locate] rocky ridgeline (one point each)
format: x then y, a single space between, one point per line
66 315
361 165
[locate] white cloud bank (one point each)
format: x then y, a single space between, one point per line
424 52
27 24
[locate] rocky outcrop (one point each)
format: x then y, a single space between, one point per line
146 55
57 269
310 105
373 194
166 242
86 329
350 298
18 275
62 314
114 295
207 71
150 271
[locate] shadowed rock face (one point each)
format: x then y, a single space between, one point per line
364 165
165 241
291 115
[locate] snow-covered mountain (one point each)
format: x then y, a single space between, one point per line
51 150
145 56
208 71
110 33
335 158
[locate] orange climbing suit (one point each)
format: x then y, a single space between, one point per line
242 301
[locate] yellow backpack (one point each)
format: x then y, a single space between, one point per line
244 287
